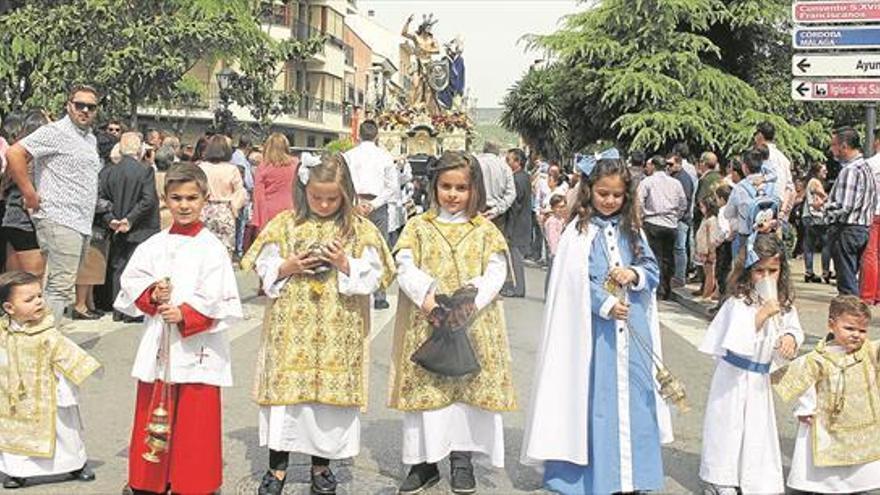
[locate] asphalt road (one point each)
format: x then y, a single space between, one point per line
107 403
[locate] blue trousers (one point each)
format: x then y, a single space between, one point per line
847 245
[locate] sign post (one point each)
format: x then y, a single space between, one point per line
835 27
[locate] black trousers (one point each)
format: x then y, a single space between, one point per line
117 260
847 245
662 242
278 460
723 262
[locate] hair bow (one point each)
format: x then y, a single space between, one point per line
587 163
307 162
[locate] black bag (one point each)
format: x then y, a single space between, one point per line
448 351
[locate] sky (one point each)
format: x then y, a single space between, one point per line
495 58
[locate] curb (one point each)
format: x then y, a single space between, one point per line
682 295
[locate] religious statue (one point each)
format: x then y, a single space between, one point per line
451 96
422 95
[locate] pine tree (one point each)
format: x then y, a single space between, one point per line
649 73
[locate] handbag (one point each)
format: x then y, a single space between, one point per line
448 351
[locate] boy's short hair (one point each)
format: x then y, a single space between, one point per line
13 279
848 305
183 172
722 192
556 200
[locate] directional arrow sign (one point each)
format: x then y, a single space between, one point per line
848 65
836 11
836 90
836 38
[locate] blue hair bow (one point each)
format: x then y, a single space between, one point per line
587 163
751 256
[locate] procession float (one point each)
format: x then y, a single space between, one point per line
434 118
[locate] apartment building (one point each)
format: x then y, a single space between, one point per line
326 81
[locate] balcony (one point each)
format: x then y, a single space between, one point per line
274 14
332 107
311 109
303 31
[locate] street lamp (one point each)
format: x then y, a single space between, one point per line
222 117
224 79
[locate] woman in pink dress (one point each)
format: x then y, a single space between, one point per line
273 181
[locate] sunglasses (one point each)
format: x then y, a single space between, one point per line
83 107
113 129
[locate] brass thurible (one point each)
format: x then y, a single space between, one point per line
159 428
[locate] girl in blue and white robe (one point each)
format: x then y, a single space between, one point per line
596 419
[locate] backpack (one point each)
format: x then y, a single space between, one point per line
764 206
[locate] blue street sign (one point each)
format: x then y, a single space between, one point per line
836 38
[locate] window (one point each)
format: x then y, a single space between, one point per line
311 141
334 25
327 141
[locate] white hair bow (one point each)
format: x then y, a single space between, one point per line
307 162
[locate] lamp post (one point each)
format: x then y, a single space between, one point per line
222 117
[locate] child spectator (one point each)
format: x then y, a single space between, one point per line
705 252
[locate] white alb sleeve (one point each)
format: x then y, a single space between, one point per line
364 274
415 283
267 266
490 282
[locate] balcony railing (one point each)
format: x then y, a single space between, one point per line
311 108
332 107
303 31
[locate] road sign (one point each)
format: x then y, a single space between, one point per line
836 38
836 12
844 65
836 90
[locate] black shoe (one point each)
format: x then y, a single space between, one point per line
420 478
828 277
84 473
88 315
12 482
812 279
117 316
381 304
324 483
461 473
271 485
132 319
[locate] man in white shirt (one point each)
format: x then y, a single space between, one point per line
375 179
498 179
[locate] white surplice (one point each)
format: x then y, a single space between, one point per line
70 450
807 477
202 277
740 439
322 430
429 436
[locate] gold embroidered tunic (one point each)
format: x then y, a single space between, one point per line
29 358
846 426
451 253
313 346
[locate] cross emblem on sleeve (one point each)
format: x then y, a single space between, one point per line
202 355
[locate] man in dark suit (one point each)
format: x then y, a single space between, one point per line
518 230
130 186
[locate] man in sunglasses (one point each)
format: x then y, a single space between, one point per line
61 193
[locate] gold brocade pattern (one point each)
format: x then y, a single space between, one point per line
30 357
313 346
846 426
452 254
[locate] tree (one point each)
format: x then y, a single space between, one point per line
137 52
648 73
532 109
